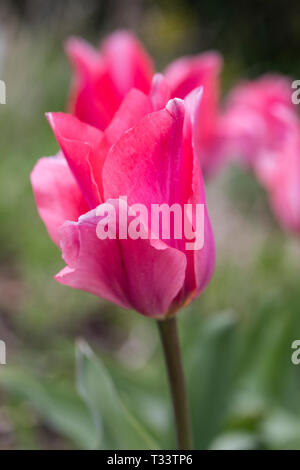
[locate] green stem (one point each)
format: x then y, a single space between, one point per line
170 342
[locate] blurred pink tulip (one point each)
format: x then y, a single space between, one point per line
283 183
150 156
258 116
103 78
262 127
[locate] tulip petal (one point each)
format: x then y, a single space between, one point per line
82 55
79 143
57 195
102 79
154 163
188 73
93 98
145 163
131 273
133 108
160 92
200 263
128 63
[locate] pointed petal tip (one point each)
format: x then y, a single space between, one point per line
175 106
157 77
52 117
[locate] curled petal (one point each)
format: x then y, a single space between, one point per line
79 143
57 195
131 273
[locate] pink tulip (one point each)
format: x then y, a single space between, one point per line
149 156
103 78
262 127
258 116
284 184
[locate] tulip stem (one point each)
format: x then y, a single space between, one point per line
171 347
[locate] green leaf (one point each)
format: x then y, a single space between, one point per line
210 376
115 426
58 404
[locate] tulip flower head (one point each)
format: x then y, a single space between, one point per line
262 127
147 155
257 116
102 79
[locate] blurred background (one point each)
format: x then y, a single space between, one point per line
244 389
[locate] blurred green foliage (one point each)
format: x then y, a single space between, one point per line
236 338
